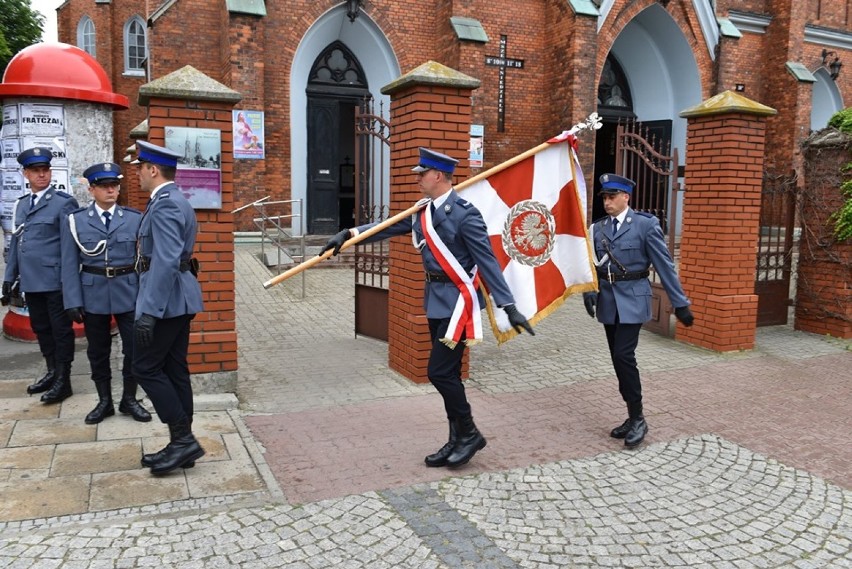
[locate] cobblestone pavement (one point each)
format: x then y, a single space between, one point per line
747 463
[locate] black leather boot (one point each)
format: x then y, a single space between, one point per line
61 388
130 406
638 426
440 458
104 408
184 448
148 460
43 384
468 442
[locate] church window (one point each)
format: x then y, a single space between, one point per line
135 46
336 69
86 35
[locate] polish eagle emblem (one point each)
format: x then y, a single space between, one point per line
528 233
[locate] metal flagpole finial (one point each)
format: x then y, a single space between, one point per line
593 122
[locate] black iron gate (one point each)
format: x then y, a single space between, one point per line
648 159
775 248
372 165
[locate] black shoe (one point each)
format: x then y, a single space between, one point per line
638 430
43 384
148 460
621 431
440 458
130 406
183 449
102 410
61 388
468 442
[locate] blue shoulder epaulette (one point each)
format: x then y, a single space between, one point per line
464 203
600 219
130 209
644 213
79 209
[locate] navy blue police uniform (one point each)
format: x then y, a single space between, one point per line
623 302
35 259
462 229
100 283
169 298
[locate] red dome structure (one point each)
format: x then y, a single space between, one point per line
59 71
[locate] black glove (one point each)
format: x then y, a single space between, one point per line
76 314
336 242
590 299
684 314
144 330
517 320
7 293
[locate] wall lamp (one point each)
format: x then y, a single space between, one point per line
352 9
833 65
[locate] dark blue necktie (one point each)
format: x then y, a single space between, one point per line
106 215
614 226
33 199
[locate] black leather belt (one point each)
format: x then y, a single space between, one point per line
145 264
437 277
109 272
614 277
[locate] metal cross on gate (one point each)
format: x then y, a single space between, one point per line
502 62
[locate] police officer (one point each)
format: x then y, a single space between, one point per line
626 243
457 237
100 282
169 297
34 258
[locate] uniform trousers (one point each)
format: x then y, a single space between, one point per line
100 344
622 340
52 326
444 369
163 372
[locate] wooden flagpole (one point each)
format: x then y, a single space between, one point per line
591 123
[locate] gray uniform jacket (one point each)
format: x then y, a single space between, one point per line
167 237
34 252
99 293
463 231
638 244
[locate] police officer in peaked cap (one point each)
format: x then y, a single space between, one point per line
34 260
626 243
460 227
100 283
169 298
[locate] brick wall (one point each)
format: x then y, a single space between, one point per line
721 221
436 117
213 340
824 283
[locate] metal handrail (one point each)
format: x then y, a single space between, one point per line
272 229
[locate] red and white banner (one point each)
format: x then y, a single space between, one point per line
535 213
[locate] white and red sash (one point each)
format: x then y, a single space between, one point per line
466 316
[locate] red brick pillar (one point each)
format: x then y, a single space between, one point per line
721 220
430 106
823 291
188 98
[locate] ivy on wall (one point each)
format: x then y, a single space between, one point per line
842 218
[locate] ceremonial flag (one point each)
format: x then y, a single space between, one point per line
534 209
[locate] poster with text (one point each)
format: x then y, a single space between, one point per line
11 149
475 151
199 173
10 121
248 134
41 119
56 145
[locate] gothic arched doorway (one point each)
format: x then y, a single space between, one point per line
336 84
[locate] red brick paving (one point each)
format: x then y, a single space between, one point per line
798 412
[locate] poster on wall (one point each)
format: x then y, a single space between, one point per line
475 152
10 121
41 119
248 134
199 173
56 145
11 149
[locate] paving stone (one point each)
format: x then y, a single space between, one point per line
51 431
96 457
44 498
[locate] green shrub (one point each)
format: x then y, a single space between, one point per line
842 218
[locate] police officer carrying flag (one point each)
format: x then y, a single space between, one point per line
626 243
34 258
100 282
453 241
